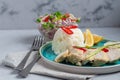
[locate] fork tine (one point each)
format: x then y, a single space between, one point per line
43 40
34 42
39 41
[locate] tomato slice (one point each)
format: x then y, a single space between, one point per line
67 30
46 19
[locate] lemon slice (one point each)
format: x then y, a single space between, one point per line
89 40
97 38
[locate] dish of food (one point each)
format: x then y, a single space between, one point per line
71 49
49 23
49 56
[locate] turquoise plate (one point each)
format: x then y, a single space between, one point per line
49 56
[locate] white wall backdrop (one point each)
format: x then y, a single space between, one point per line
21 14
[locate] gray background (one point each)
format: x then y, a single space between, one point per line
21 14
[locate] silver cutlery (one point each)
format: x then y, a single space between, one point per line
35 47
24 72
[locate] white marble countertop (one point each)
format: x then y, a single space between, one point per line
22 14
20 40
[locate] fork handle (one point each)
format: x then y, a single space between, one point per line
23 62
24 73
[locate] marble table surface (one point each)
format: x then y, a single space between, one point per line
20 40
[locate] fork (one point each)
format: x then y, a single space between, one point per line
24 72
35 47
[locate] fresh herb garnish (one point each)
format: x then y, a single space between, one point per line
48 25
49 21
100 49
51 25
38 20
58 14
96 51
78 20
51 17
45 26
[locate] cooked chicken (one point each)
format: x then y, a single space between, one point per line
114 54
61 57
80 56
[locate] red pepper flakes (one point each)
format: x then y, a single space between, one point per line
105 50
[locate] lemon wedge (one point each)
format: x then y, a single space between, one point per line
97 38
89 40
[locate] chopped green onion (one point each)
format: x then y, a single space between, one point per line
45 26
38 20
51 25
95 52
78 20
51 16
64 16
48 25
57 14
99 49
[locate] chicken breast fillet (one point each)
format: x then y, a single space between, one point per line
79 57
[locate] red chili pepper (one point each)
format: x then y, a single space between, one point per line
72 27
63 18
46 19
83 49
66 16
105 50
67 30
